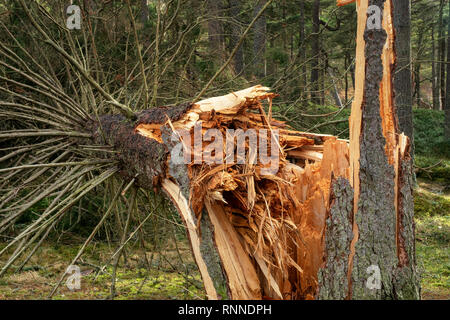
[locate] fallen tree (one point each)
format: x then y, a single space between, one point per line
287 235
332 219
252 234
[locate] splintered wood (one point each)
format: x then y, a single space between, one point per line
268 229
331 208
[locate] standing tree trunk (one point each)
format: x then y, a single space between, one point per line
402 77
434 77
302 49
380 169
144 12
259 41
441 56
323 66
447 100
235 11
315 46
215 29
417 66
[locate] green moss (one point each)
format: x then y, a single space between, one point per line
433 253
427 204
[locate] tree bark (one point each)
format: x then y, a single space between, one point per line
441 56
259 41
215 28
447 100
302 49
315 47
434 77
380 168
235 11
402 77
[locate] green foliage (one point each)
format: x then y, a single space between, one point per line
325 119
433 167
429 133
278 55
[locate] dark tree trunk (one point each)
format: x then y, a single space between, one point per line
235 11
144 11
259 41
434 85
315 46
402 77
302 49
323 67
416 94
215 29
447 100
346 58
417 67
441 56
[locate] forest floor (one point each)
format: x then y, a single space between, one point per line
170 276
173 274
432 209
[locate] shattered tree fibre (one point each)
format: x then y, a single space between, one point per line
253 236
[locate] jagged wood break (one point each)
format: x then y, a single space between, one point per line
333 211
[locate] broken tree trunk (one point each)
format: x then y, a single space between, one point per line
284 234
380 167
270 212
320 218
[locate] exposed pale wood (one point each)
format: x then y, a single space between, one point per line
174 192
243 281
292 246
270 279
150 131
228 103
344 2
306 154
355 120
387 111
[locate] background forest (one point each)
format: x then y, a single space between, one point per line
150 53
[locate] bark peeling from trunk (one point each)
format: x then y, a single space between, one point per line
380 168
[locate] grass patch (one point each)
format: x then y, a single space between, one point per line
168 278
433 250
431 200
